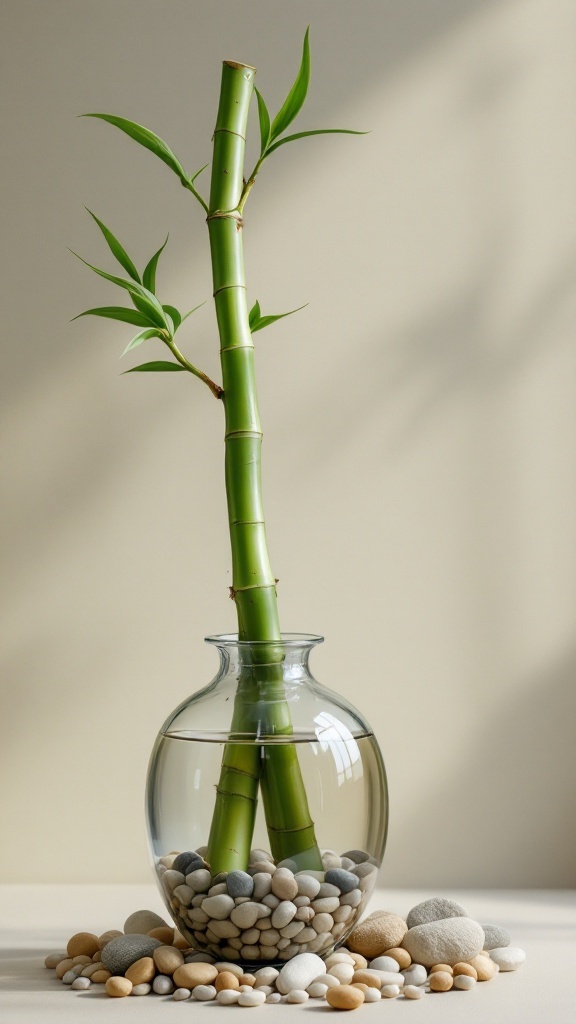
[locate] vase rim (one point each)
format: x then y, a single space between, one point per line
286 640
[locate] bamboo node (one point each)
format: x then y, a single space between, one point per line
251 586
226 215
225 286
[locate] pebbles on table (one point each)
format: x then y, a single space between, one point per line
441 981
345 997
252 997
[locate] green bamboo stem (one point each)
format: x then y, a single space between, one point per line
253 584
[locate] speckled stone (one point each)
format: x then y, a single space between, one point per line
378 932
118 955
436 909
495 936
446 941
240 883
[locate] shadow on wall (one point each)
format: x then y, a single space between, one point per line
523 753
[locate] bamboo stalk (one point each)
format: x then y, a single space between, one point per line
253 584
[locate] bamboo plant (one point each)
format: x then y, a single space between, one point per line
260 707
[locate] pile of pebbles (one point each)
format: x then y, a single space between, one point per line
271 912
138 962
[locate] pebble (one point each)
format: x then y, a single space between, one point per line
374 995
199 880
265 976
245 915
345 997
162 985
485 967
436 909
342 972
380 931
384 963
167 959
495 936
230 968
253 997
190 975
307 885
219 906
415 975
297 995
441 981
327 979
274 997
141 990
389 991
442 967
142 971
465 969
118 987
170 879
412 992
225 979
284 913
508 958
284 884
446 940
317 990
100 977
401 956
345 881
69 977
143 921
81 983
107 937
464 982
119 954
240 883
262 884
187 862
299 972
83 944
164 935
53 959
204 993
227 996
181 993
351 899
357 856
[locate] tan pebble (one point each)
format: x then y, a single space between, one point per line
360 961
179 942
117 986
226 980
97 956
83 959
401 956
345 997
83 944
90 970
164 935
142 971
368 977
360 984
381 930
100 977
64 966
53 959
441 967
467 969
167 959
338 958
248 979
484 967
107 937
441 981
231 968
190 975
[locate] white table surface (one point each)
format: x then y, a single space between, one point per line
34 920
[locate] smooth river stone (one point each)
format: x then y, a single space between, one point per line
220 906
284 885
495 936
445 941
245 915
300 972
199 880
283 914
262 884
307 885
345 881
436 909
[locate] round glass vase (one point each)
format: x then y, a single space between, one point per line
294 823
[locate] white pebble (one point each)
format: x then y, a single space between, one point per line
300 971
81 983
384 963
265 976
464 981
508 958
180 993
163 985
274 997
338 958
416 974
252 998
297 995
389 991
327 979
414 991
307 885
266 989
373 995
342 972
317 990
204 993
141 990
235 969
228 996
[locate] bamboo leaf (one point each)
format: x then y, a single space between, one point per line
116 249
319 131
265 321
149 275
295 98
174 315
129 316
264 119
143 299
198 173
139 338
147 139
254 315
156 365
190 311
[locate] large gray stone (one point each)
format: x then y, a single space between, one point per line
436 909
495 936
444 942
118 955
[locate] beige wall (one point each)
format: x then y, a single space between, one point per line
419 416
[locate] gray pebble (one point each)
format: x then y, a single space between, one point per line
344 880
358 856
186 862
262 884
163 985
495 936
365 870
351 899
270 901
199 880
436 909
217 890
220 877
329 889
218 907
240 883
446 941
171 878
119 954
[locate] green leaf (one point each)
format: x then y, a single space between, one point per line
149 275
264 118
174 315
144 300
129 316
190 311
295 98
265 321
146 138
157 364
319 131
198 173
254 315
116 249
139 338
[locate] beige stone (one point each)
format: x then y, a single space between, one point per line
380 931
190 975
64 966
81 960
467 969
117 986
441 967
83 944
360 961
226 980
53 959
107 937
100 977
90 970
367 977
484 967
401 956
97 956
142 971
167 959
345 997
179 941
441 981
248 979
164 934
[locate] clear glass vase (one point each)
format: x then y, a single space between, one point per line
265 705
